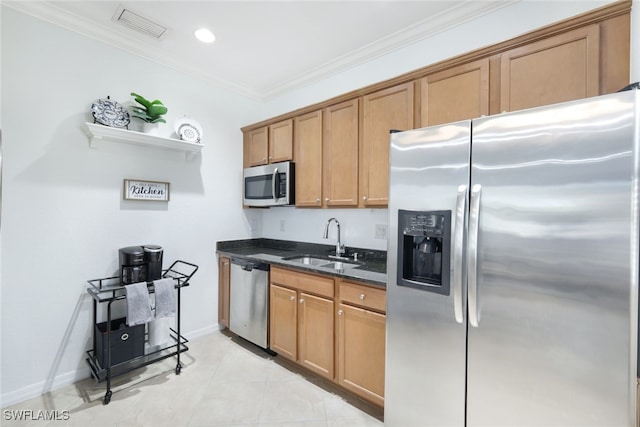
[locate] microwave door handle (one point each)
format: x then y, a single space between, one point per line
274 177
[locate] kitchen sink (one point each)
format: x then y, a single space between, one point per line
321 262
339 265
307 260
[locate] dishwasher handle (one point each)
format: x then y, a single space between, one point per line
250 265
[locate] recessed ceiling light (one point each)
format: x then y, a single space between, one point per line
204 35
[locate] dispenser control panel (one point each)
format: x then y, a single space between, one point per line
424 250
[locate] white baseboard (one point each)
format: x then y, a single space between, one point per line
42 387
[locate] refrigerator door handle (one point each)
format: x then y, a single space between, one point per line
472 263
458 251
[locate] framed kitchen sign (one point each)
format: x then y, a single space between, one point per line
136 189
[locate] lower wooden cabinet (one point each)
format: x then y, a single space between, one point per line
224 282
283 321
360 342
361 352
301 324
332 327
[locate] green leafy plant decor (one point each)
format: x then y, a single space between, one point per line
150 111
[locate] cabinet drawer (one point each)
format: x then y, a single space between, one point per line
317 285
365 296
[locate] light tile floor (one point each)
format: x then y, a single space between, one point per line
224 382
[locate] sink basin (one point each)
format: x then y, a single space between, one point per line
321 262
308 260
339 265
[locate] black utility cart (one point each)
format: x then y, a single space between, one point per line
106 359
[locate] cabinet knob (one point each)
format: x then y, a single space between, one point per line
340 312
364 198
362 296
326 199
264 160
301 300
318 199
292 298
270 157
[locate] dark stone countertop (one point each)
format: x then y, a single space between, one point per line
372 268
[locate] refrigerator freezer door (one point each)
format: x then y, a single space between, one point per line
557 266
426 331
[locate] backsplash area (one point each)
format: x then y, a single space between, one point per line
358 227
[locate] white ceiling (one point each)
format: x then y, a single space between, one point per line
263 48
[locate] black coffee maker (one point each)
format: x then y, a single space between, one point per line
140 263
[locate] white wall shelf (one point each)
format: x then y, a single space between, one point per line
97 132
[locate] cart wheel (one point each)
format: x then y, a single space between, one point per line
107 397
178 369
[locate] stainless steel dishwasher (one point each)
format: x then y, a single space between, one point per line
249 300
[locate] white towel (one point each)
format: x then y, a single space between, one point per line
138 303
165 297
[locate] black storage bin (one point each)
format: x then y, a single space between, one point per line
127 342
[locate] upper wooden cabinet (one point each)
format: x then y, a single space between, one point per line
556 69
307 142
457 93
269 144
342 144
281 141
340 154
381 112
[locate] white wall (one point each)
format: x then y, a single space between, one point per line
63 216
358 226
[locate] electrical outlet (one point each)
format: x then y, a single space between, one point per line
283 225
381 231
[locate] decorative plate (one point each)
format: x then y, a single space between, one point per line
188 129
110 113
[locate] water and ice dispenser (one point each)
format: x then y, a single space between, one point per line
424 240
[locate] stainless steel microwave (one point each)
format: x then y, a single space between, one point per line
269 185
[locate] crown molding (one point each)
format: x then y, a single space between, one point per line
145 47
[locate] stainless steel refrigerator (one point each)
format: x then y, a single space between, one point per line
512 296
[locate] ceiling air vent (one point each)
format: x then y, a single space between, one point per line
139 23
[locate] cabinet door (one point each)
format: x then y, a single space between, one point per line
361 352
340 154
560 68
382 111
224 281
315 334
281 141
307 142
283 312
258 149
457 93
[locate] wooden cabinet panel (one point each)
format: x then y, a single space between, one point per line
318 285
315 336
307 143
340 154
560 68
615 38
281 141
224 282
361 352
283 314
258 149
382 111
365 296
457 93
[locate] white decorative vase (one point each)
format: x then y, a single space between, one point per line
150 128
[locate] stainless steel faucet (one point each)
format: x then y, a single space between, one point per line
339 246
